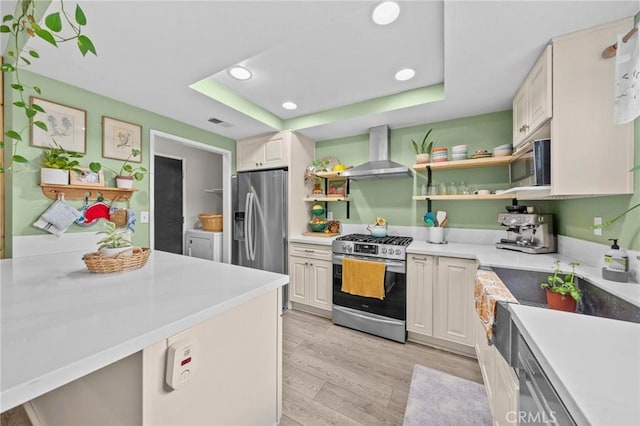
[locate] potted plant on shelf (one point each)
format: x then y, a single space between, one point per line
114 241
319 166
127 173
423 151
562 292
56 163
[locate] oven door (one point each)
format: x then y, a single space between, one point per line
394 303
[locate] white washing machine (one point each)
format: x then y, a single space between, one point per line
203 244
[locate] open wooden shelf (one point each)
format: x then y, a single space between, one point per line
79 192
329 175
325 198
465 164
464 197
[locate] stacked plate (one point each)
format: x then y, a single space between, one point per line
459 152
439 155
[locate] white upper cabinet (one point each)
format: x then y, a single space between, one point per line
532 105
590 155
263 152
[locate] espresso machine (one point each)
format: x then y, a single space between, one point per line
528 233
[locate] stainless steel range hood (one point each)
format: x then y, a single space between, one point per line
379 166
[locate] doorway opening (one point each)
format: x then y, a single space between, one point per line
216 190
168 202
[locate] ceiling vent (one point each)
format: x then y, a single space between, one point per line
220 122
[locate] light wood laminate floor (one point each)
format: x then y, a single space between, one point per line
337 376
333 375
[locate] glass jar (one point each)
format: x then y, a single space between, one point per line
463 189
452 189
442 188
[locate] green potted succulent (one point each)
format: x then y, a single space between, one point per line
127 172
562 291
114 241
423 150
55 164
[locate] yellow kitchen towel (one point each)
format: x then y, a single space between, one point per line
363 278
489 289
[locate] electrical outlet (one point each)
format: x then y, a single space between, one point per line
597 221
144 217
329 215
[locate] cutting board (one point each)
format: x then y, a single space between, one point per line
320 234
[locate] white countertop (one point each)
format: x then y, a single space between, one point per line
59 322
489 255
593 363
323 241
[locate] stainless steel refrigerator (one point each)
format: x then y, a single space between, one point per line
260 222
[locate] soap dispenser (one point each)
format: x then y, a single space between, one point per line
615 258
616 263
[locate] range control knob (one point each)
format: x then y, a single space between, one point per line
398 251
383 250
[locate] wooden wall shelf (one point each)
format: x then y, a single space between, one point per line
79 192
326 198
464 197
465 164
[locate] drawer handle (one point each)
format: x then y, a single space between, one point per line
309 251
418 258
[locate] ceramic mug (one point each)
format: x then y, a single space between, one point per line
436 234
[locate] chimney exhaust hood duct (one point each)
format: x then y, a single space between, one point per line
379 166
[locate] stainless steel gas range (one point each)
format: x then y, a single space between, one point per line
384 317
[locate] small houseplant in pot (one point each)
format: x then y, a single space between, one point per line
114 241
423 151
56 163
127 173
562 292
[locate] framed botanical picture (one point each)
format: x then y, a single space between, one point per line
337 188
65 126
86 177
119 138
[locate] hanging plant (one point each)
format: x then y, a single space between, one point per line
22 26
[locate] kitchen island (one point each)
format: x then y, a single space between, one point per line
91 348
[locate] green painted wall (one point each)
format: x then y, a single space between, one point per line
25 201
575 216
391 198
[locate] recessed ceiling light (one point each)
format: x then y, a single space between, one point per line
289 105
405 74
239 73
385 13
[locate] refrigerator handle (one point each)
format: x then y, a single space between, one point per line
252 247
247 220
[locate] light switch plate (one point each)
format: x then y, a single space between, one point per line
144 217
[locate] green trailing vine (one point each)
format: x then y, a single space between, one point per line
610 222
23 25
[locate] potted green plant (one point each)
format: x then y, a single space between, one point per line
319 166
114 241
60 25
423 151
127 173
562 291
56 163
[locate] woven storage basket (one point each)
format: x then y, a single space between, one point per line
124 261
211 222
116 215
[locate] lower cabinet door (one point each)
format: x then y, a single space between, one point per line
420 294
454 311
320 284
298 279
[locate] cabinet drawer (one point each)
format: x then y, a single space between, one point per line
310 250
